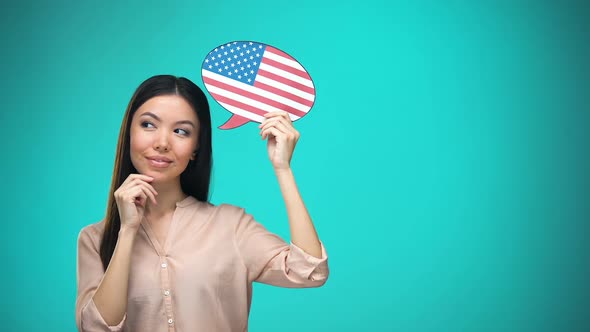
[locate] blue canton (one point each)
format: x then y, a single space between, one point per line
238 60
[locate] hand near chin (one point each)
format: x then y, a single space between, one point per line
131 198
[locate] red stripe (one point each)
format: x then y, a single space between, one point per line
283 93
281 53
272 89
286 68
286 81
238 104
257 97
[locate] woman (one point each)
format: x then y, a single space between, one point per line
164 259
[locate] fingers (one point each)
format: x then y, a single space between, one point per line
272 131
282 128
136 188
149 191
280 121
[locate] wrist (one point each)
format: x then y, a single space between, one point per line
283 171
128 231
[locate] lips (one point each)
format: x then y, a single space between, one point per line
160 159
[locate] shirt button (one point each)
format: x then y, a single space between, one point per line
167 292
164 265
170 321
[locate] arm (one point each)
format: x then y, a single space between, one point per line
269 259
282 138
111 296
102 296
303 233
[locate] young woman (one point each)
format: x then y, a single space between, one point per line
163 258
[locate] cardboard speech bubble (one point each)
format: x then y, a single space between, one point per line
250 79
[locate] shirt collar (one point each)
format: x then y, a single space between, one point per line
187 201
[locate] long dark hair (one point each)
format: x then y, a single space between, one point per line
194 180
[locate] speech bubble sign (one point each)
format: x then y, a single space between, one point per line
250 79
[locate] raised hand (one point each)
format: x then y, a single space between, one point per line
131 198
282 138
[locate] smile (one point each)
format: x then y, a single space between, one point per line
158 163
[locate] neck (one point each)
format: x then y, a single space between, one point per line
168 195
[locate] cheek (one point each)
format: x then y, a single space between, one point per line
138 141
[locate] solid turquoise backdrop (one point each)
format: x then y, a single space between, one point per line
445 162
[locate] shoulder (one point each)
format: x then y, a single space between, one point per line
223 212
92 233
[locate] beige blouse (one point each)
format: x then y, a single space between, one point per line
201 278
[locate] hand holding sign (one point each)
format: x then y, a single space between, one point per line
282 137
251 79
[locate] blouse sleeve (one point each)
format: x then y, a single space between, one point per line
270 260
89 276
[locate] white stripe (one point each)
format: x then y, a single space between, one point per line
286 74
283 60
256 90
250 115
242 99
241 112
285 87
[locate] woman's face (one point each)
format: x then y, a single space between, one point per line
163 127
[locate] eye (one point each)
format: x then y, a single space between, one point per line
186 132
143 124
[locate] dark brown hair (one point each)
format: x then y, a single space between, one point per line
194 180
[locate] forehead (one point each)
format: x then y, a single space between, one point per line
169 107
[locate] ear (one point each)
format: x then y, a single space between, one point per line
194 155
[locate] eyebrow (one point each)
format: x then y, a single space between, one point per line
177 122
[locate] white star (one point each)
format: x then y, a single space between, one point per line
259 46
233 43
248 66
242 68
239 62
255 63
229 73
225 53
233 65
216 64
236 70
250 43
248 51
228 59
206 60
219 55
212 58
257 55
222 61
215 50
251 72
245 74
221 48
226 67
249 80
245 59
251 57
219 70
232 50
210 66
238 48
239 76
241 53
235 56
254 49
227 45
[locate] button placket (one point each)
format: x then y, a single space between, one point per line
167 292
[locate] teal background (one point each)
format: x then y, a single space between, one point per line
445 162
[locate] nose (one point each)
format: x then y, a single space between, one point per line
161 143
